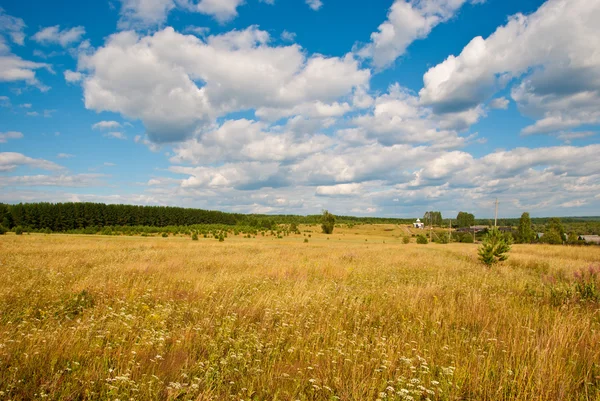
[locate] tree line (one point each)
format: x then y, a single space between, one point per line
60 217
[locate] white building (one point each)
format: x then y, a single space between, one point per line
418 224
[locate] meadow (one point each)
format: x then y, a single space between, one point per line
355 315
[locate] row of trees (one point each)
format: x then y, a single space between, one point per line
61 217
434 218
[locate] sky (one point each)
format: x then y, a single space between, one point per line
367 108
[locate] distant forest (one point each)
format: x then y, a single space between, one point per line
75 215
72 216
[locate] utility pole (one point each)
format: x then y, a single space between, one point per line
450 231
496 217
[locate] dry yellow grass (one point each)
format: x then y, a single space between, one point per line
348 318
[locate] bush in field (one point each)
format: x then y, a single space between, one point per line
327 222
494 247
221 238
467 238
2 230
406 240
195 236
421 239
19 230
165 235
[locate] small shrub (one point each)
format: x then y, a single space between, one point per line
2 230
494 247
406 240
421 239
195 236
467 238
587 284
305 240
221 238
19 230
165 235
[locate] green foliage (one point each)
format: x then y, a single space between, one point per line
467 238
554 224
406 240
19 230
464 219
195 236
421 239
327 222
305 240
165 235
525 233
432 218
442 239
494 247
221 237
587 284
2 230
552 237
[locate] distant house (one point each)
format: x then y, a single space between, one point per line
592 239
418 224
472 229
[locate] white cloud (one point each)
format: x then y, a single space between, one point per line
239 71
65 155
63 180
552 51
406 22
115 135
221 10
399 117
570 136
106 125
5 136
499 103
73 76
314 4
54 35
13 27
153 13
11 160
288 36
245 140
13 68
109 164
339 190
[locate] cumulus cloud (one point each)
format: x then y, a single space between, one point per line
106 125
177 93
9 161
398 117
552 52
54 35
12 27
73 76
153 13
406 22
314 4
339 190
499 103
115 135
5 136
63 180
246 140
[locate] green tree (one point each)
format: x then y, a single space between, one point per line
552 237
554 224
525 233
327 222
494 247
464 219
432 218
421 239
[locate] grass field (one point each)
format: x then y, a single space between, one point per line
355 315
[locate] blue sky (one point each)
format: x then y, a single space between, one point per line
382 108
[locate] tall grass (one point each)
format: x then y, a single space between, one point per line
152 318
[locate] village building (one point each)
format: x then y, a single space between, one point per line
592 239
418 224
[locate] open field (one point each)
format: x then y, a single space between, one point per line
344 316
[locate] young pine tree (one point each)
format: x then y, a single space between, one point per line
494 247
